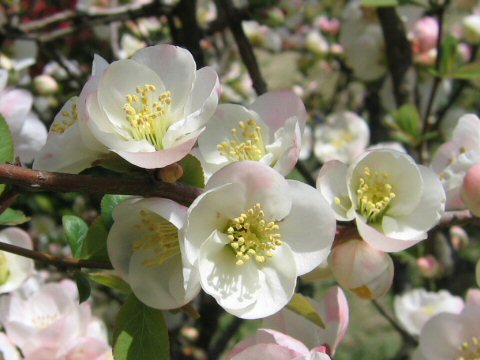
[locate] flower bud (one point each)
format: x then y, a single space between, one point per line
458 238
45 84
471 190
361 268
428 266
425 34
170 173
471 28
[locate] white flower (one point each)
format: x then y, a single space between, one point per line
270 131
149 109
144 249
393 200
14 269
28 132
415 307
251 233
453 159
7 349
343 136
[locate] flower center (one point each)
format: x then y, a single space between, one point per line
374 195
341 139
4 268
41 321
251 236
69 118
247 143
470 350
148 117
159 236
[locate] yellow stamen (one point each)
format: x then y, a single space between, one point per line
69 118
252 237
342 138
470 350
149 120
374 195
246 144
159 236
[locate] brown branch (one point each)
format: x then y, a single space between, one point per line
398 50
33 181
57 261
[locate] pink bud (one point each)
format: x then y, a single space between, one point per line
361 268
428 266
425 35
471 190
458 237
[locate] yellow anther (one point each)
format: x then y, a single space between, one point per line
470 350
69 118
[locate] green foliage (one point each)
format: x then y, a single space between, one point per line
95 245
75 231
107 205
83 286
140 333
477 273
192 172
406 125
466 72
449 56
6 145
379 3
301 306
13 217
110 280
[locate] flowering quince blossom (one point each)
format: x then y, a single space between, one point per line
393 200
14 269
28 132
333 310
415 307
50 324
269 344
144 249
149 109
269 131
471 189
455 157
8 351
252 233
452 336
343 136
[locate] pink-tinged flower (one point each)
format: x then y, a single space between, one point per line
343 136
364 270
330 26
252 233
269 131
424 40
470 191
8 351
333 310
452 336
428 266
455 157
51 321
28 132
269 344
14 269
149 109
144 248
393 200
415 307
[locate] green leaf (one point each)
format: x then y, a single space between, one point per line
301 306
140 333
466 72
477 273
95 244
6 145
75 231
192 172
111 280
449 55
107 205
379 3
13 217
83 286
409 119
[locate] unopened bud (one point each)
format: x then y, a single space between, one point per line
458 238
428 266
471 190
45 84
170 173
359 267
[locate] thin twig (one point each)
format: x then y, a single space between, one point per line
60 262
34 181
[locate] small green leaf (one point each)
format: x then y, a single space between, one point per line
409 119
13 217
111 280
75 231
466 72
140 333
192 172
6 145
477 273
107 205
83 286
379 3
449 55
95 244
301 306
